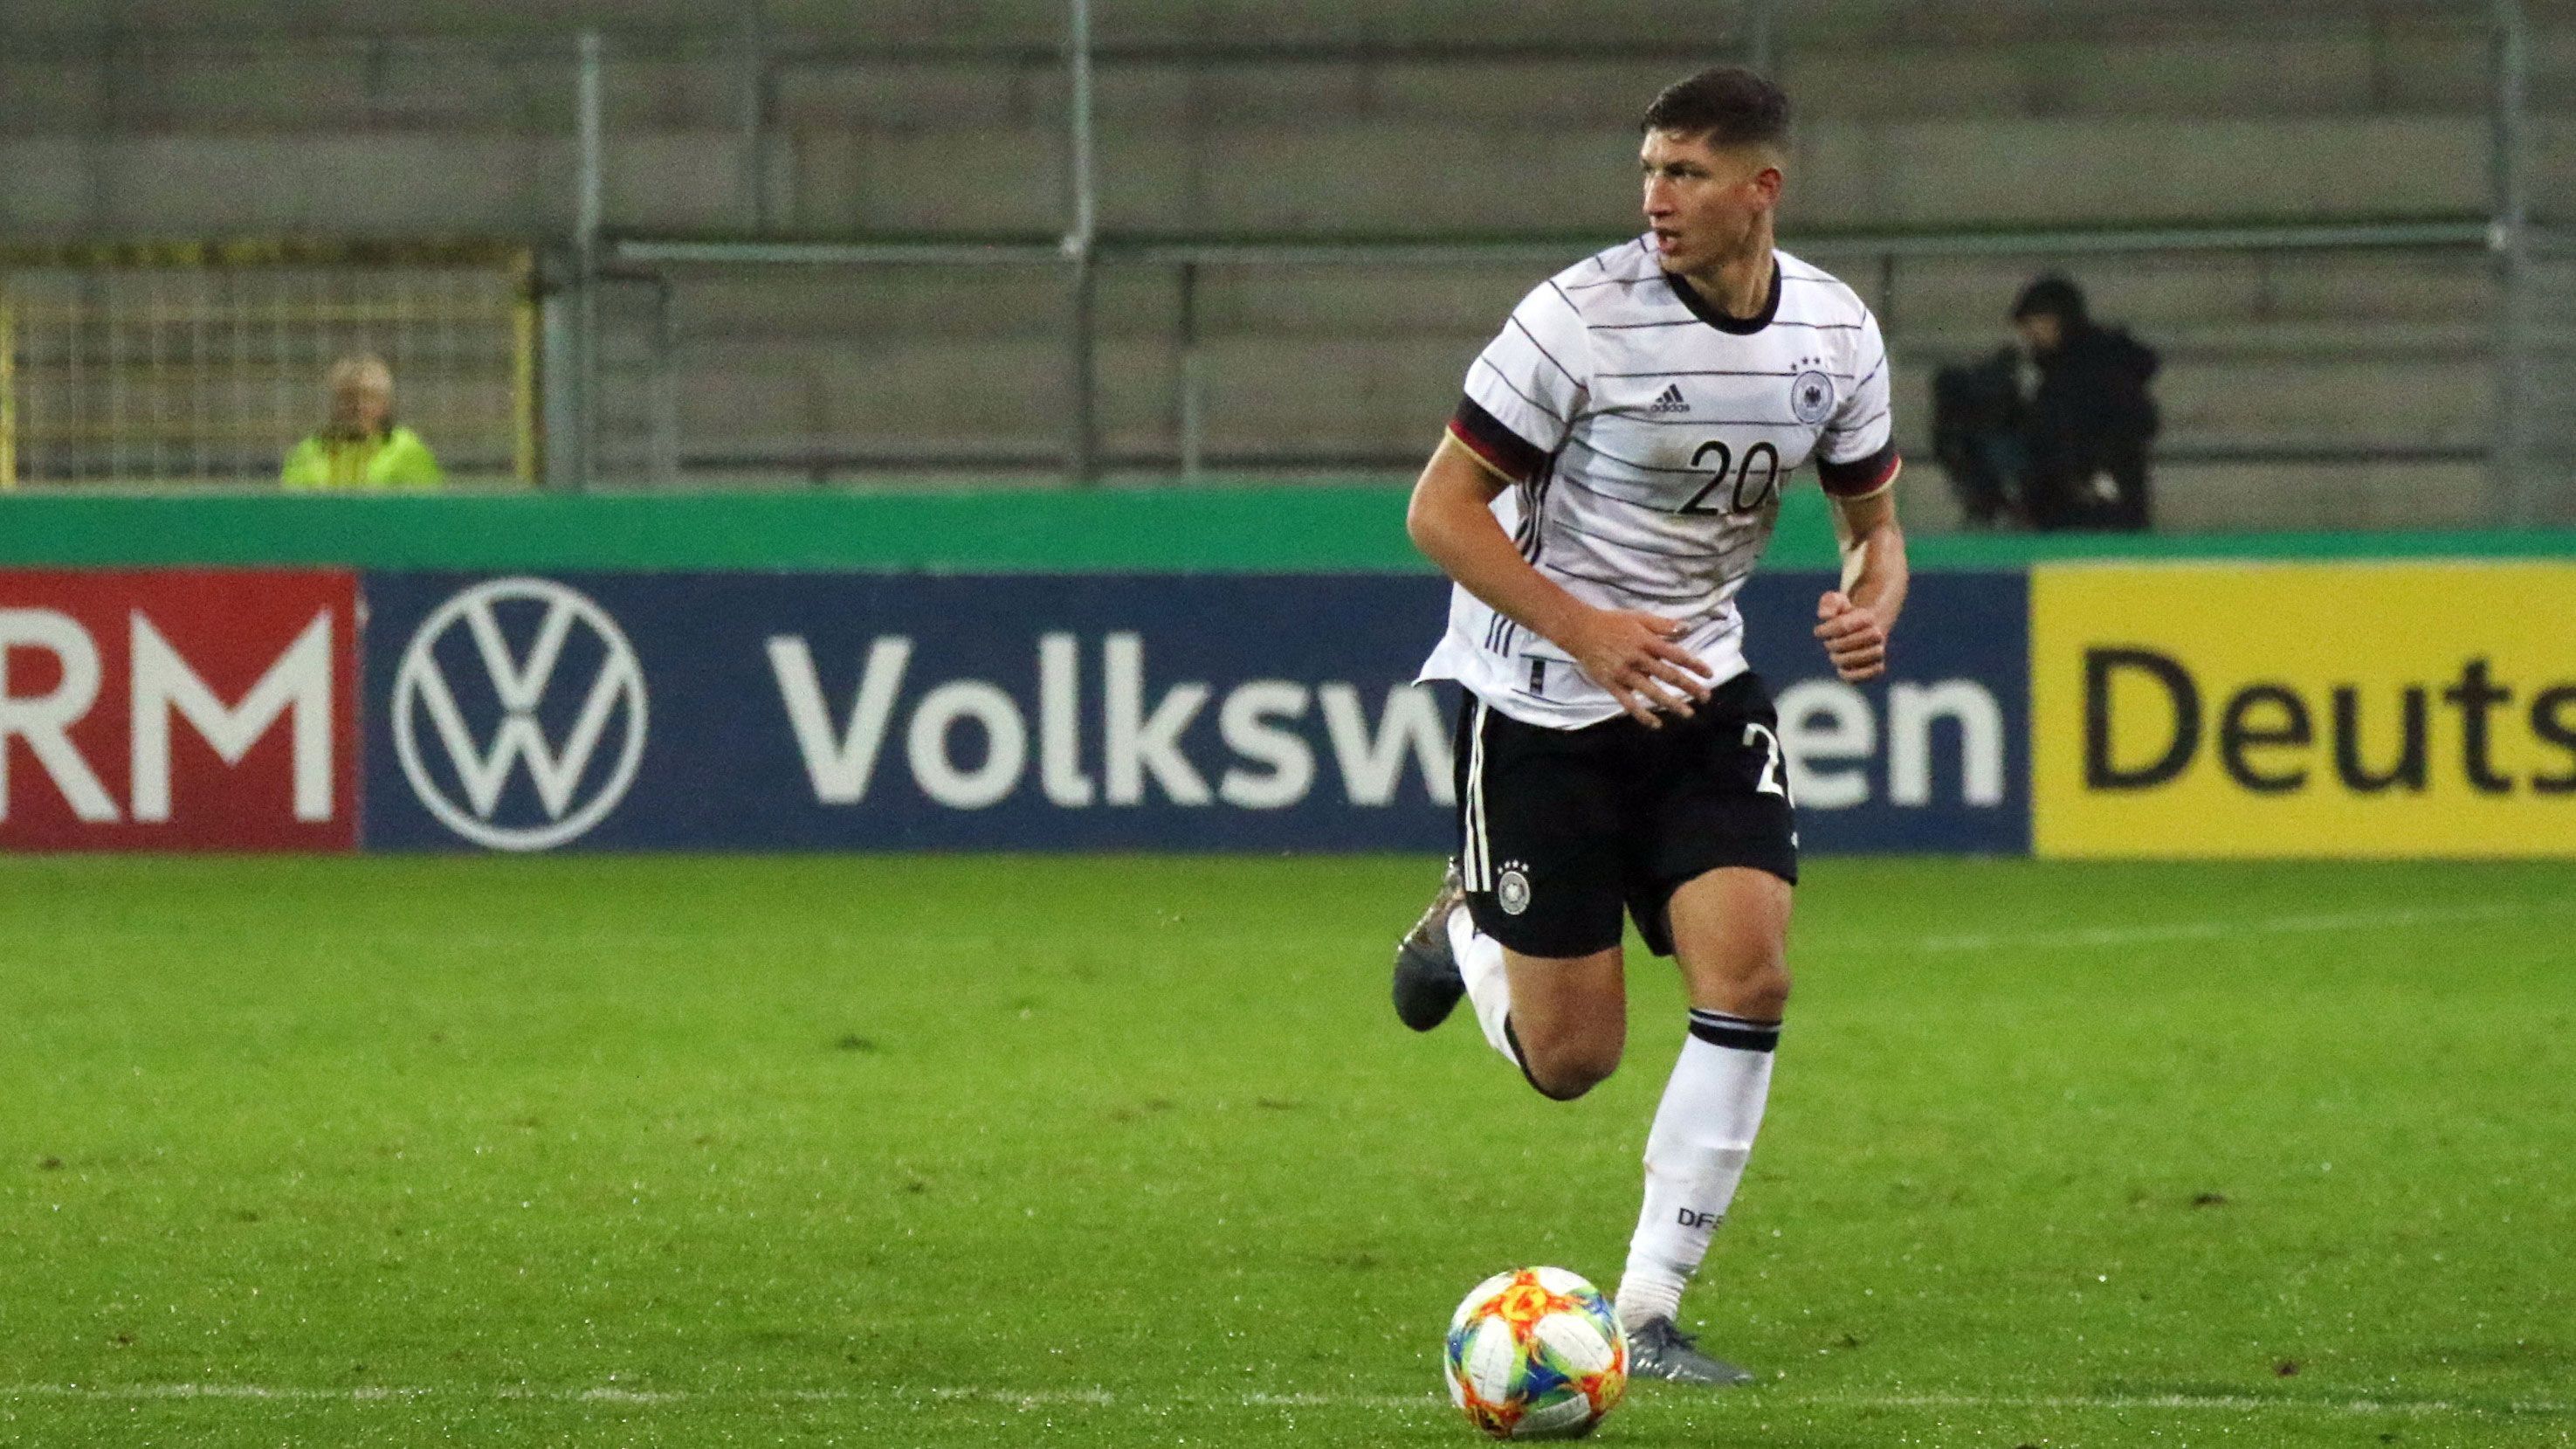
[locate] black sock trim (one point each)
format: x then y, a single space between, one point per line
1521 1059
1735 1032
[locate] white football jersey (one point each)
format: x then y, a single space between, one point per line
1648 436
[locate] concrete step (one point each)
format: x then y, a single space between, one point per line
1330 176
2233 497
1309 395
1591 65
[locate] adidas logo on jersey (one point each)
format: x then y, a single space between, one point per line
1670 402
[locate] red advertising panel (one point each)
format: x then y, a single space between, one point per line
178 710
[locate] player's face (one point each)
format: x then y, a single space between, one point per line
1704 203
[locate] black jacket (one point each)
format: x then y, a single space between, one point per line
2092 400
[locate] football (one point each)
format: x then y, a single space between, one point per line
1535 1353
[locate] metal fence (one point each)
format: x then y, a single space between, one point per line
184 363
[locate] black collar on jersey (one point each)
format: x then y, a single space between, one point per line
1740 326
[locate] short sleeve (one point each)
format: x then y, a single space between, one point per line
1856 457
1527 387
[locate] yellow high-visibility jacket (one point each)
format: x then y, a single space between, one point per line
396 459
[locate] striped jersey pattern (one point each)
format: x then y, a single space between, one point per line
1646 437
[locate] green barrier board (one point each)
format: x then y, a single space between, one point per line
1214 529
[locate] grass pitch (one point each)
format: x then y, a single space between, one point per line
1001 1151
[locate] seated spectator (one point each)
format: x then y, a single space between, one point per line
361 447
2090 419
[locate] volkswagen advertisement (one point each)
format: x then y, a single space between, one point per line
894 712
785 711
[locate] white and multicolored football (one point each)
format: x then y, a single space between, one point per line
1535 1353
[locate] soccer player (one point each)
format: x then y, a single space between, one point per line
1601 493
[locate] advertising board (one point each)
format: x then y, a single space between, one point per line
2362 710
1081 712
178 709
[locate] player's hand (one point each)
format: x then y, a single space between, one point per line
1854 639
1633 655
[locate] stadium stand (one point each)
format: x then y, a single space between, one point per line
2318 386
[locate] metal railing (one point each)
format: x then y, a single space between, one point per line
1877 262
196 362
2529 480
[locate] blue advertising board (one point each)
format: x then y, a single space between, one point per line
892 712
1932 756
900 712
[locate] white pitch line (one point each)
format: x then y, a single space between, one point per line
1026 1399
1032 1399
365 1393
2233 1403
1342 1401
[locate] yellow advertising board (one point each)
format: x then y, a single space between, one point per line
2267 709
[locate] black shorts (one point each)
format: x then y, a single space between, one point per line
1561 829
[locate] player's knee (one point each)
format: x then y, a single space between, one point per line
1754 987
1565 1068
1763 994
1566 1079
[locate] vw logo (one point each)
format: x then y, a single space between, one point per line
599 682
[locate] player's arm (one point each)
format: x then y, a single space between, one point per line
1857 466
1630 654
1855 620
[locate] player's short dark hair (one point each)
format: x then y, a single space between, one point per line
1728 104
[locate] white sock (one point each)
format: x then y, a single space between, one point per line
1695 1156
1489 986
